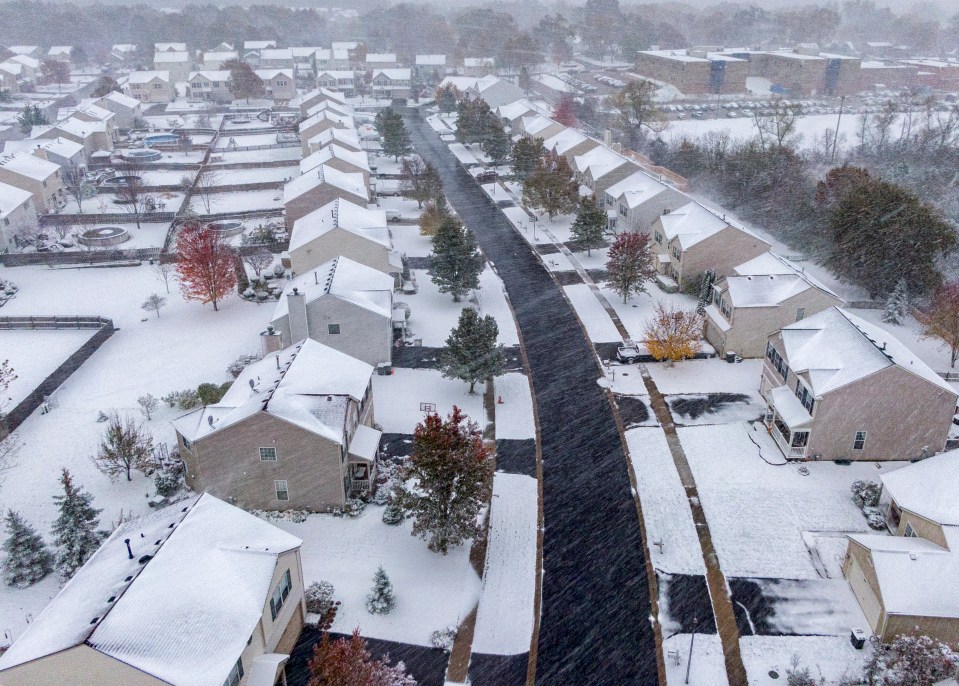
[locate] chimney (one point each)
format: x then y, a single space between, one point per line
270 341
299 324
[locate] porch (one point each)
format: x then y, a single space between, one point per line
363 454
787 420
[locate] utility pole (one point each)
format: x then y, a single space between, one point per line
835 138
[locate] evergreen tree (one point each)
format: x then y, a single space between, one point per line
380 600
630 264
30 117
446 481
244 81
589 227
446 97
706 281
28 560
525 156
75 530
897 304
456 262
396 139
495 143
471 353
551 187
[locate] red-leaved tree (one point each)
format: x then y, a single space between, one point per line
630 264
348 662
206 264
565 112
941 319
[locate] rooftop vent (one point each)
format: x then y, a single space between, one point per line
143 560
129 550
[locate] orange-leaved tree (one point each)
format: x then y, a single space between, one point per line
673 334
206 264
348 662
941 319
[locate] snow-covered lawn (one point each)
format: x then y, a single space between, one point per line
757 512
407 208
230 177
828 657
245 140
707 376
165 177
665 506
269 154
492 300
239 201
105 203
639 309
34 355
432 591
407 240
708 666
599 325
504 620
398 398
514 416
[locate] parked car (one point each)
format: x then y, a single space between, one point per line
628 353
393 215
486 176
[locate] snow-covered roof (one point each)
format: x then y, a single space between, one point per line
26 61
307 384
430 60
380 57
535 124
599 161
345 279
276 54
121 99
334 151
60 50
339 108
927 488
399 74
916 577
343 121
181 608
348 137
789 408
11 68
164 47
365 442
258 44
835 348
566 140
219 75
337 74
215 56
768 280
29 166
81 128
12 198
461 83
691 224
636 189
147 76
515 110
270 74
171 57
341 214
352 183
23 49
62 147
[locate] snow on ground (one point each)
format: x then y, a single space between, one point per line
408 209
188 345
105 203
267 155
239 201
408 241
399 397
639 309
230 177
492 300
828 657
700 408
166 177
551 81
432 314
432 591
504 620
599 326
812 608
707 376
708 666
514 416
245 141
757 511
665 506
34 355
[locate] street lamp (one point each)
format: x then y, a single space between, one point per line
534 228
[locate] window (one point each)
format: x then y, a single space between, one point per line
334 329
658 237
860 440
235 674
677 254
805 397
777 360
623 210
158 86
268 454
725 309
187 443
282 489
609 200
800 313
279 595
909 531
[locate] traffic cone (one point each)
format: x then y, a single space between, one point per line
499 400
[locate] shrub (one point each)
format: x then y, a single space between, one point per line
319 598
866 493
353 508
210 394
393 514
167 484
443 638
186 399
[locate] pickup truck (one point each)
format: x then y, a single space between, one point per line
628 353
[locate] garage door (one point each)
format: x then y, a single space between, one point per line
864 594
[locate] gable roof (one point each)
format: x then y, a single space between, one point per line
430 60
171 57
333 135
341 214
154 611
768 280
351 182
341 120
375 57
345 279
334 151
599 161
636 189
339 108
220 75
536 123
927 488
164 47
147 76
121 99
12 197
29 166
836 348
398 74
691 224
307 384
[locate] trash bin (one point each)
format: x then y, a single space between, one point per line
384 369
858 638
730 356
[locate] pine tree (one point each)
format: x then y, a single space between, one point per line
706 281
526 155
380 600
589 227
446 481
396 139
495 143
75 530
897 304
447 96
456 261
28 560
630 264
471 353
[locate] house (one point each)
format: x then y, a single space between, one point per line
478 67
10 73
178 64
33 51
305 59
17 212
570 144
305 193
213 61
339 58
330 105
209 85
305 101
496 91
761 296
169 47
512 114
391 84
343 228
294 432
343 304
538 126
126 110
62 152
600 169
340 158
345 138
430 68
318 123
278 83
150 86
634 203
237 581
40 178
691 240
340 80
380 60
276 58
124 53
94 136
840 388
60 53
31 66
906 582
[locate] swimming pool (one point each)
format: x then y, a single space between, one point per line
142 155
161 138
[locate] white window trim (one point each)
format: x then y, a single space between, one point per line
268 459
277 490
855 440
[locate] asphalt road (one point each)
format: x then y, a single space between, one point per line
595 609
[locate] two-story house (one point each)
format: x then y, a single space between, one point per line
17 212
840 388
198 593
209 85
512 114
570 143
307 192
343 304
214 60
278 84
391 84
177 64
318 123
332 106
304 101
344 138
538 126
277 58
478 67
338 157
295 431
637 201
150 86
907 582
601 168
40 178
762 296
339 80
691 239
127 111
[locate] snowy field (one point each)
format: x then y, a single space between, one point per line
408 209
292 154
232 177
34 355
514 416
166 177
240 201
707 376
408 241
433 591
398 398
827 657
166 201
245 140
504 620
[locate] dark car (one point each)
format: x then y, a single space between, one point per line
486 176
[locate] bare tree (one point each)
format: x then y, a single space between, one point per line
154 304
125 447
134 197
63 227
779 124
148 405
206 185
164 272
74 179
28 233
259 260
